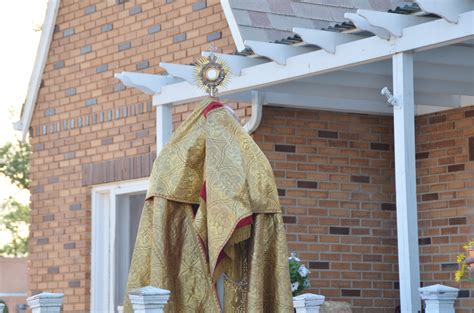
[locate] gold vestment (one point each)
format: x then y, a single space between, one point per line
212 207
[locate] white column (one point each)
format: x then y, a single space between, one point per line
46 302
164 124
405 179
149 299
308 303
439 298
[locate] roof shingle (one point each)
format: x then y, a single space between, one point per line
273 20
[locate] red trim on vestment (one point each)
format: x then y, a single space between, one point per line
211 106
203 193
244 222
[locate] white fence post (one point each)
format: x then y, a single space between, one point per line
308 303
439 298
149 299
46 302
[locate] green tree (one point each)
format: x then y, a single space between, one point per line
14 164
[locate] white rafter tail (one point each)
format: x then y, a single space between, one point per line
361 23
326 40
449 10
392 22
185 72
147 83
275 51
353 56
236 62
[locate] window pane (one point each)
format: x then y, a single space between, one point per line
129 210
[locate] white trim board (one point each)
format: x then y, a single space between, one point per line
234 27
41 57
103 240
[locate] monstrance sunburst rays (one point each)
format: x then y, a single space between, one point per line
211 73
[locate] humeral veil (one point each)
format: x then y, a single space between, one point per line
212 207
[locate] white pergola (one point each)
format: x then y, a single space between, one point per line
427 61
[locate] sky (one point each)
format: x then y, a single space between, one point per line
19 43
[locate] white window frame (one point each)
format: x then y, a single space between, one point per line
103 240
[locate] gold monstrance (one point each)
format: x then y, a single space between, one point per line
211 73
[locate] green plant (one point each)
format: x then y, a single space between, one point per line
14 163
14 216
460 274
299 275
5 309
17 217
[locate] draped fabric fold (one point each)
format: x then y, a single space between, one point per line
212 208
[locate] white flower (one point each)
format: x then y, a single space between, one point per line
293 257
303 271
294 286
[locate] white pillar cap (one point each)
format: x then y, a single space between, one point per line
438 292
149 296
308 300
45 299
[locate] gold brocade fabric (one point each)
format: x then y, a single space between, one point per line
180 249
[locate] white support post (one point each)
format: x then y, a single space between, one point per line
46 302
405 182
149 299
439 298
164 124
308 303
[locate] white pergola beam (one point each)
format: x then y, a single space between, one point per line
391 22
451 55
345 79
419 37
312 102
361 23
405 182
423 70
280 98
369 94
449 10
275 51
326 40
185 72
236 62
149 84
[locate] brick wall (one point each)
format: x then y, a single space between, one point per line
85 120
445 171
335 174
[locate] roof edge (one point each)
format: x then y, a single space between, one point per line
40 62
232 22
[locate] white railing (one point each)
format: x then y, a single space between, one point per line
437 298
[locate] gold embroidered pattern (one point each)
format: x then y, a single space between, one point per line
179 251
